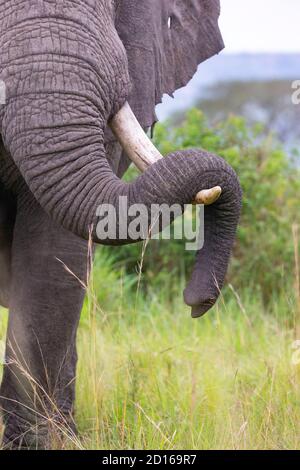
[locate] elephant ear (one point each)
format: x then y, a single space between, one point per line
165 41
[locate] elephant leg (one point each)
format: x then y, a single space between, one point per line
7 220
48 265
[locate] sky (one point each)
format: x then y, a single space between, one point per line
260 25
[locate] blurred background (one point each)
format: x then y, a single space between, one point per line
252 76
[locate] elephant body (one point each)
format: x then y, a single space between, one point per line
69 66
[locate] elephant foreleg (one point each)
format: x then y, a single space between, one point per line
37 392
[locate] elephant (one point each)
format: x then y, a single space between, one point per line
69 68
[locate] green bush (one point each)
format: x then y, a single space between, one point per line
264 253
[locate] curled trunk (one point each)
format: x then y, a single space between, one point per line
53 127
73 178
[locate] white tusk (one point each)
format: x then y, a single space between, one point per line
133 139
141 151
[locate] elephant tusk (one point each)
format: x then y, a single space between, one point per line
133 139
141 151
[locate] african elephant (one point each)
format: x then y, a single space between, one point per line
69 68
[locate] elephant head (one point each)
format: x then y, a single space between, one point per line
70 67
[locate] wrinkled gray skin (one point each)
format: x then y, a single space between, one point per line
69 66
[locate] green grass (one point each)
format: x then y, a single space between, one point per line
150 377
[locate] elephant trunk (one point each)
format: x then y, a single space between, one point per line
176 179
70 176
54 126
